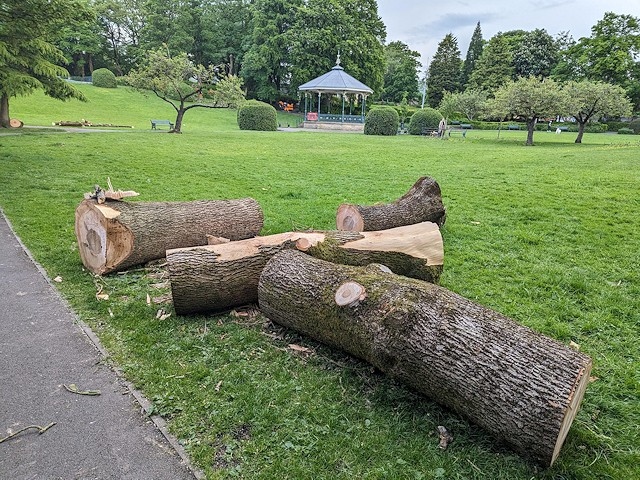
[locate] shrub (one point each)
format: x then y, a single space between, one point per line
382 121
424 118
255 115
625 131
103 77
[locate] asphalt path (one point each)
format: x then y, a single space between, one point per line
44 347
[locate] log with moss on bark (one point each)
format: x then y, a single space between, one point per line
219 277
521 386
116 235
422 203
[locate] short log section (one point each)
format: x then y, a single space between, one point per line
519 385
422 203
217 278
116 235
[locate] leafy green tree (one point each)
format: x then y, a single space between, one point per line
185 85
267 63
537 54
121 23
529 98
610 54
469 103
325 27
494 67
28 59
474 52
444 70
80 41
589 101
401 74
228 23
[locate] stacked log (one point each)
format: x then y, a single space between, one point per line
216 278
422 203
519 385
116 235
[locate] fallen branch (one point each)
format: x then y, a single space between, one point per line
41 430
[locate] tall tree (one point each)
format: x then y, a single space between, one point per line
444 70
185 85
473 55
28 59
267 63
529 98
79 41
589 101
469 103
494 67
537 54
325 27
229 25
401 73
122 22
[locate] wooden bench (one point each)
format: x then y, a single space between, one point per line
513 127
466 126
155 123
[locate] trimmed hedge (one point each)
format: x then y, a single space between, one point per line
625 131
382 121
103 77
424 118
255 115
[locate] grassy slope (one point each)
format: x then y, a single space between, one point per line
546 235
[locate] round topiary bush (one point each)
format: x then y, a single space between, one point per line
255 115
382 121
103 77
424 118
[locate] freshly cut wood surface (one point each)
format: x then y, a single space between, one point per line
116 235
219 277
519 385
422 203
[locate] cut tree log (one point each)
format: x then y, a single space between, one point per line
422 203
117 235
519 385
216 278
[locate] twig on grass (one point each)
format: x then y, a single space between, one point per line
41 430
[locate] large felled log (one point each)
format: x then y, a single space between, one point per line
519 385
422 203
116 235
220 277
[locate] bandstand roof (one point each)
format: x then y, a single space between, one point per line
335 81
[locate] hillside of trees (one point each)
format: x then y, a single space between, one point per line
273 46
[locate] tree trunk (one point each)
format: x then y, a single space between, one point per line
116 235
519 385
219 277
581 126
531 126
422 203
177 128
4 111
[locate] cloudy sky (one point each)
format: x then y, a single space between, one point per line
422 24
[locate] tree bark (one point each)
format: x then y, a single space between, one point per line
116 235
519 385
4 111
216 278
422 203
581 126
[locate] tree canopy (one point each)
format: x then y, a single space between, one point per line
444 70
184 84
401 73
28 59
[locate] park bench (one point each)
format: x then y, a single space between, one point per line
563 129
432 132
466 126
455 131
513 127
155 123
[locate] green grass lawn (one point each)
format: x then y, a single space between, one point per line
547 235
